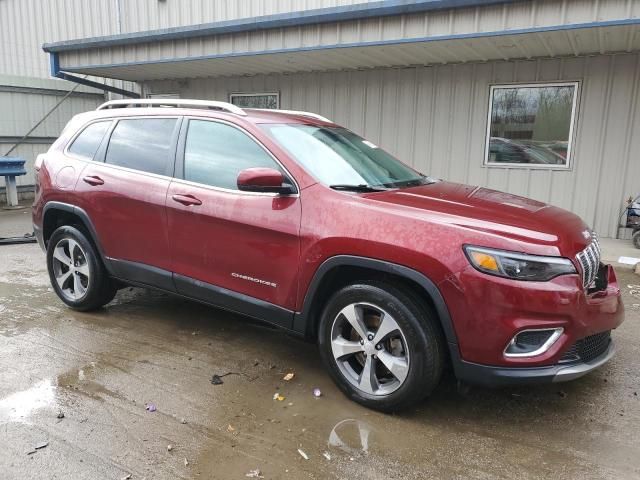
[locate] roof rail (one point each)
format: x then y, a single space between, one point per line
297 112
171 102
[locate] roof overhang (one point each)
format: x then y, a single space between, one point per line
455 36
299 18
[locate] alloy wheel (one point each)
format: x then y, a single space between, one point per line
71 269
370 349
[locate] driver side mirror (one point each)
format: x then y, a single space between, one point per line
267 180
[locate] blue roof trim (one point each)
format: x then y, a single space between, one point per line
291 19
498 33
54 64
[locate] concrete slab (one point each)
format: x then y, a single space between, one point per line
100 369
613 249
15 222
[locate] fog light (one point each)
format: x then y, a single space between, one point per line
529 343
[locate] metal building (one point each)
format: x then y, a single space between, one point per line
534 97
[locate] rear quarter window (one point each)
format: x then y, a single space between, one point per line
143 144
86 144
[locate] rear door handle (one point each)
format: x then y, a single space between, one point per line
187 200
93 180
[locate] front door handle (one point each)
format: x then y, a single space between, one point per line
93 180
186 200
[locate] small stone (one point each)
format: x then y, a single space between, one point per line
60 415
183 421
169 448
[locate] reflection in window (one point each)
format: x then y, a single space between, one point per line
337 156
215 153
256 100
531 124
142 144
86 144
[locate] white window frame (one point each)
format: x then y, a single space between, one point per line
163 95
254 94
572 129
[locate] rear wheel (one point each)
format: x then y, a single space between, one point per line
76 271
382 345
636 239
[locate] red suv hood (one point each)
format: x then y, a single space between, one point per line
491 211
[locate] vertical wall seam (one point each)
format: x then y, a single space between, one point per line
602 136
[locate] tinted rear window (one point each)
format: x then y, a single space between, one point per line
86 144
142 144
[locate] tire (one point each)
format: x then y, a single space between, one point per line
413 348
84 284
636 239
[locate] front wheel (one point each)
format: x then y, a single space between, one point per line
382 345
76 271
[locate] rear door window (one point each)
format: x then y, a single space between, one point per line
86 144
143 144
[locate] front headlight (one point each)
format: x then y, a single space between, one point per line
517 266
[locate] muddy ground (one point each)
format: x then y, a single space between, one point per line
101 369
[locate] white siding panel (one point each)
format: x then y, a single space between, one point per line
22 111
26 24
435 119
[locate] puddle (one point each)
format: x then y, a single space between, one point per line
20 406
351 436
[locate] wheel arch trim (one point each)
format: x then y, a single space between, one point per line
303 321
84 218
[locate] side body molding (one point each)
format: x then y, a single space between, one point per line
304 321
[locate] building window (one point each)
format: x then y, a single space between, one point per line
531 125
256 100
163 95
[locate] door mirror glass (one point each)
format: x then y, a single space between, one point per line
262 180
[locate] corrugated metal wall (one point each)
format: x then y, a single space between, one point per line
153 14
24 102
26 24
435 119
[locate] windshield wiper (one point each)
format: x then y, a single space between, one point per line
359 188
417 182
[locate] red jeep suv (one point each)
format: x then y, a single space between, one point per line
289 218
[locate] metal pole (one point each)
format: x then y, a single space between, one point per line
11 190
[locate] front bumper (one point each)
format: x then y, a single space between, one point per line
490 376
488 311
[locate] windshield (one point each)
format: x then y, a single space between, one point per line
337 157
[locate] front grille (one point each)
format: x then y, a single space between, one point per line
589 260
587 348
